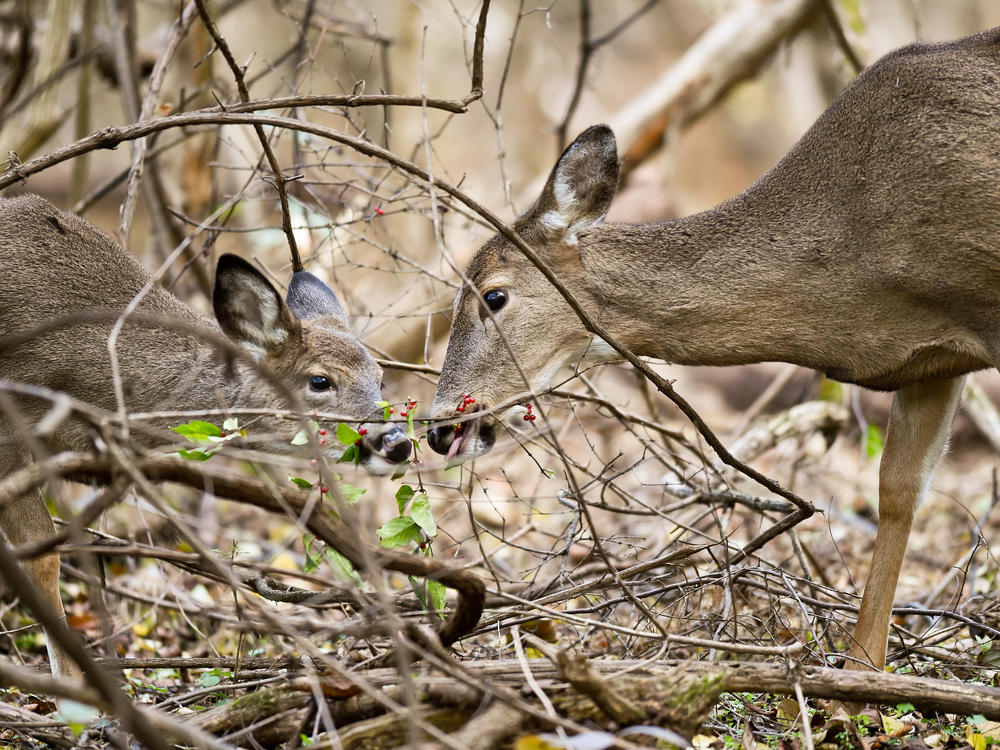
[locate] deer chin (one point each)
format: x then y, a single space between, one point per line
463 440
379 465
472 439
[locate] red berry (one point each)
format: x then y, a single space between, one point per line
465 395
312 462
420 462
460 408
324 489
472 400
222 434
358 441
362 431
402 413
379 211
526 417
413 402
322 441
390 410
322 432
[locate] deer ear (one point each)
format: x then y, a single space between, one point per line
309 298
580 188
249 308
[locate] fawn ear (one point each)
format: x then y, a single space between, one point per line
249 308
580 188
309 298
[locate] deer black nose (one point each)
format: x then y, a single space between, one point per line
395 446
440 438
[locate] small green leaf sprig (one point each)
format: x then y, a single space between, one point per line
199 432
415 525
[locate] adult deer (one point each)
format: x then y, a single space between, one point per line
56 266
870 252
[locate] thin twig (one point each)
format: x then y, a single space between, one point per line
280 182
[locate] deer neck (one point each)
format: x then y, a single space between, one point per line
709 289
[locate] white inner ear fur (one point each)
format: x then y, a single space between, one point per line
258 339
568 217
269 312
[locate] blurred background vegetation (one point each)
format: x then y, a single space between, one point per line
390 248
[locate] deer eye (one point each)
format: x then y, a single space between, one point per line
495 299
320 383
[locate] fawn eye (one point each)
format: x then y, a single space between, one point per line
320 383
495 299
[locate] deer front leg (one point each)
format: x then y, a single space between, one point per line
26 519
919 423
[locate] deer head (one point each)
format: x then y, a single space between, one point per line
307 342
512 332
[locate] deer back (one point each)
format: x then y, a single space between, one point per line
61 274
871 251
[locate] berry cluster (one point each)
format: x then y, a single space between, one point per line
466 400
411 403
529 417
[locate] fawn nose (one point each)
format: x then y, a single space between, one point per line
395 446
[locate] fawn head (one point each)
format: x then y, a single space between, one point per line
512 332
306 342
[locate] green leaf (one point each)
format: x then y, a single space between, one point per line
351 493
418 587
197 431
403 495
210 678
399 531
303 435
351 455
312 561
437 592
420 512
385 408
873 441
194 455
905 708
342 567
347 434
302 484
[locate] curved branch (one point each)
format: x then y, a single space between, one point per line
223 483
111 137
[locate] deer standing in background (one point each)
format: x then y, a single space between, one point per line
870 252
54 264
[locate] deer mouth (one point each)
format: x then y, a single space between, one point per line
461 440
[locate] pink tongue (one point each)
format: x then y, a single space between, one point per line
455 445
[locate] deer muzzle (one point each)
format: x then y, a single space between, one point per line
467 436
387 442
